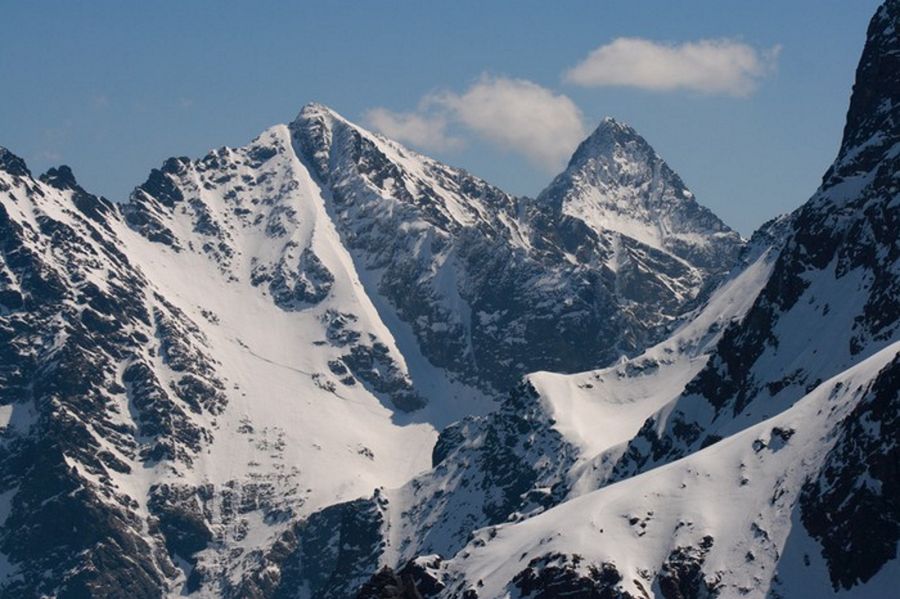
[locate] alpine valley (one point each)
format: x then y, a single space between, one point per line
323 365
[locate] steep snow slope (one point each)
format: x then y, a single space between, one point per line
529 455
258 282
315 374
725 520
597 410
185 363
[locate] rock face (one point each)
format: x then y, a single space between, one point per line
86 395
857 524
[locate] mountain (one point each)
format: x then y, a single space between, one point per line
512 464
755 452
194 382
322 365
493 286
616 183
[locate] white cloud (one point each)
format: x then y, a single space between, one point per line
422 130
518 115
709 66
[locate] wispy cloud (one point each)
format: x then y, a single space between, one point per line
100 101
720 66
54 140
419 129
520 116
515 114
50 155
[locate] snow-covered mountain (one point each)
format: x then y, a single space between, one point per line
201 386
617 184
513 463
494 286
195 380
754 453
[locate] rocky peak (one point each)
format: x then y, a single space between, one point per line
617 168
609 137
314 115
619 186
312 132
61 178
12 164
873 122
312 110
616 153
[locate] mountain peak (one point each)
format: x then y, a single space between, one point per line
616 183
873 118
60 177
613 158
876 90
609 135
12 164
609 123
315 111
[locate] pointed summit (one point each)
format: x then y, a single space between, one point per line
608 134
312 134
617 183
616 155
317 111
12 164
314 115
873 118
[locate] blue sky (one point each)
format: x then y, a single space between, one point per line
113 88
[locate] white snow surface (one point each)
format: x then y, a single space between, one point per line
599 409
722 491
315 438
